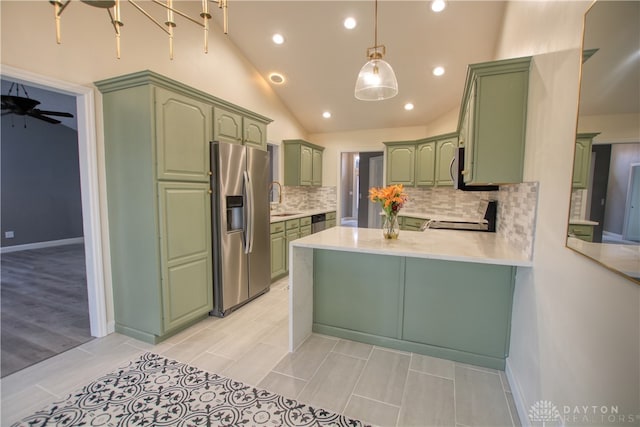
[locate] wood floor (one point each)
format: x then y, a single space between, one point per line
44 304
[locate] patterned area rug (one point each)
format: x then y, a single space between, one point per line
155 391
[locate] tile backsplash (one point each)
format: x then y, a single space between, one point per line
516 222
307 198
577 199
517 204
445 201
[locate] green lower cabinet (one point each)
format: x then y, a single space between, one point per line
581 231
345 296
458 305
411 224
186 252
454 310
305 231
278 256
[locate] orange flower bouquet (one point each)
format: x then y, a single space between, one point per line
392 198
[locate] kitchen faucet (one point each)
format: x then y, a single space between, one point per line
279 190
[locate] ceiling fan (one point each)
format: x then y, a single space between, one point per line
25 106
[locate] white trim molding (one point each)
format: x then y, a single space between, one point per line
40 245
518 398
89 187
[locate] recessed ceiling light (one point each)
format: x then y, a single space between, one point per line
276 78
350 23
326 115
408 106
438 71
438 5
278 38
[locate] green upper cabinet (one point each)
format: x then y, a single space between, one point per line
445 152
401 163
227 126
254 133
422 163
183 126
492 123
233 127
302 163
316 175
425 163
582 160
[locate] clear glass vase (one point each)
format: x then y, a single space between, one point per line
390 227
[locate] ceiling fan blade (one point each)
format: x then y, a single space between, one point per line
52 113
45 118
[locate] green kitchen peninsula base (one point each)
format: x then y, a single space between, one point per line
455 310
442 293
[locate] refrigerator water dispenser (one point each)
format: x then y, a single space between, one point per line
235 215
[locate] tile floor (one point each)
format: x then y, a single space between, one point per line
377 385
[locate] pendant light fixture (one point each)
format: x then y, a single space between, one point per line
376 80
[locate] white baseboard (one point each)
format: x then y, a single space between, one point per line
518 399
40 245
111 327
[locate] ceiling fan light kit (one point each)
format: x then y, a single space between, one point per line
113 8
376 80
25 106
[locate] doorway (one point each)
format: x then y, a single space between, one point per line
43 275
91 195
360 171
632 208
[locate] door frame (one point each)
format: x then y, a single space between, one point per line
92 218
355 149
633 167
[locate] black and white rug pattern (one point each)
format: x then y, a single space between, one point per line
156 391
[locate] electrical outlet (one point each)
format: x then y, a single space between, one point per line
9 234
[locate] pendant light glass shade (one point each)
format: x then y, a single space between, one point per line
376 81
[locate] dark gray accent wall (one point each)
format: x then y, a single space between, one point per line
363 207
39 181
622 156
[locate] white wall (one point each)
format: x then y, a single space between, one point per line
613 128
575 337
87 54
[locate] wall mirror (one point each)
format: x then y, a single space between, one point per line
604 219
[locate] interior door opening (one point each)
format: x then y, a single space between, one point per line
360 171
90 194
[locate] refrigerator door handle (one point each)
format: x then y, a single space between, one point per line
252 214
248 217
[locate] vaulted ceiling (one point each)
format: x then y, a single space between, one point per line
320 59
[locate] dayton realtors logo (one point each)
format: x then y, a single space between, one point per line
544 411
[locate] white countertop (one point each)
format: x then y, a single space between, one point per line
452 245
623 258
298 214
582 222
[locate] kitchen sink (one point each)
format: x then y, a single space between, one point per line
286 214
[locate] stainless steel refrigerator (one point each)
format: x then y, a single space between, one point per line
240 214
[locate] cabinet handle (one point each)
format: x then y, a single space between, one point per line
210 173
209 191
465 172
461 143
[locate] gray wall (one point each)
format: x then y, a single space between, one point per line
622 156
39 182
363 208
